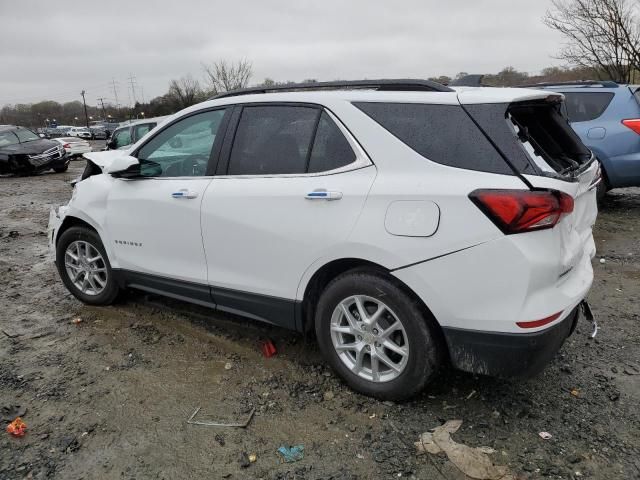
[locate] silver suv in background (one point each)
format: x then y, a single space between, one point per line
130 133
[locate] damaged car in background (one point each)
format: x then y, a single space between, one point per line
408 224
24 152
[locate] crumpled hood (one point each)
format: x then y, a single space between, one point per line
104 159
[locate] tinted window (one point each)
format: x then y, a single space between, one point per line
331 149
272 140
183 149
585 106
441 133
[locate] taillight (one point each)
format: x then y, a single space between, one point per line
633 124
517 211
66 145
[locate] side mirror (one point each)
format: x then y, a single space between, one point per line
122 164
111 144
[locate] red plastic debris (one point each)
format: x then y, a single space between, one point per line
17 428
268 348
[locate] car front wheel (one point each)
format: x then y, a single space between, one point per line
376 336
84 267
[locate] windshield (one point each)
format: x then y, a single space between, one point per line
8 138
25 135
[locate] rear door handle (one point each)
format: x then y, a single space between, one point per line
320 194
184 193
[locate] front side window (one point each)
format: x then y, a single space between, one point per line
183 149
585 106
122 138
140 131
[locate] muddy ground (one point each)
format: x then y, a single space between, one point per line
109 397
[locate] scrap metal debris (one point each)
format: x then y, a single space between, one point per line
473 462
291 454
218 424
545 435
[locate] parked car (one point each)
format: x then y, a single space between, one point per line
23 152
406 223
606 116
126 135
81 132
98 133
74 146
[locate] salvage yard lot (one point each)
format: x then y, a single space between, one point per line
109 397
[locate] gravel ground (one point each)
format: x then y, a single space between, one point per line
109 397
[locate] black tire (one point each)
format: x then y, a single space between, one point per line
111 289
601 190
61 169
425 347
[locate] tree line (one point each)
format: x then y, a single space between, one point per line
601 42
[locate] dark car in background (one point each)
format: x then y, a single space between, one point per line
24 152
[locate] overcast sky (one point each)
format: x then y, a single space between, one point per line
54 49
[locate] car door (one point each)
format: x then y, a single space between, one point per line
154 219
291 185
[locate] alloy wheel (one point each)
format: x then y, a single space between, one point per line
369 338
86 268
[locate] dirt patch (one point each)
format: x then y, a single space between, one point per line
109 397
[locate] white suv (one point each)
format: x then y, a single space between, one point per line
406 223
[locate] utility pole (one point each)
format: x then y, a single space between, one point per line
104 112
132 81
115 91
86 117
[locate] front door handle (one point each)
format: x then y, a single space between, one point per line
184 193
321 194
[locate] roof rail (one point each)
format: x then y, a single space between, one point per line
402 85
576 83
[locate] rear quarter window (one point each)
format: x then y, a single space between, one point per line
585 106
442 133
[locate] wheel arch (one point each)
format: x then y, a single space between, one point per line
330 270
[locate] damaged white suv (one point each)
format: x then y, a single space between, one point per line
406 223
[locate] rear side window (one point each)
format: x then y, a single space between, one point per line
141 130
585 106
331 149
442 133
273 140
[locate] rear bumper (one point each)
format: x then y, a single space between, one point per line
507 354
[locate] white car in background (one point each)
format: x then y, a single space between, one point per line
81 132
74 146
408 224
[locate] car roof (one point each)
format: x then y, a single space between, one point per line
457 95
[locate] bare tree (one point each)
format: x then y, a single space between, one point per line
600 34
184 92
223 76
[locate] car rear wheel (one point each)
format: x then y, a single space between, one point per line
84 267
376 336
61 169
